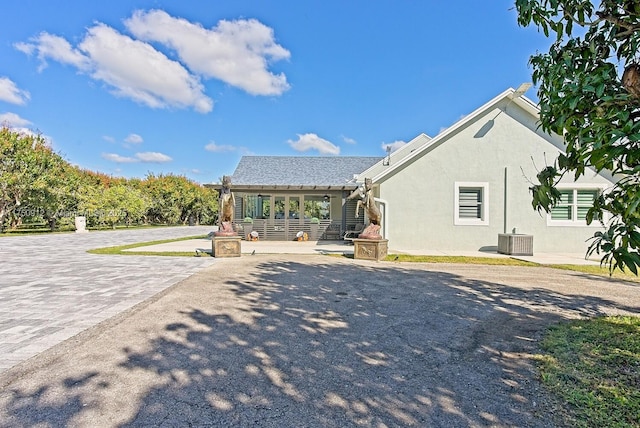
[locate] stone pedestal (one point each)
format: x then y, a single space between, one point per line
226 246
370 249
81 224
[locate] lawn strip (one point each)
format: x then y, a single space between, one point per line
594 367
119 249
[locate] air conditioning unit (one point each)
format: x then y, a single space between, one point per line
515 244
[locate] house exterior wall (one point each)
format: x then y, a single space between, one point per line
505 156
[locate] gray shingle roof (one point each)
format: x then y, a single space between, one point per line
299 170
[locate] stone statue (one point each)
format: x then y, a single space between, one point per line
226 208
372 231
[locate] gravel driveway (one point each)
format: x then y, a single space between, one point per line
315 341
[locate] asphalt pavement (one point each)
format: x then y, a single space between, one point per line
289 340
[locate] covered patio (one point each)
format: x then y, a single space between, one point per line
283 197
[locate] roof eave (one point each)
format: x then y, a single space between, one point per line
528 105
288 187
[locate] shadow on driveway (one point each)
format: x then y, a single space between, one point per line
315 342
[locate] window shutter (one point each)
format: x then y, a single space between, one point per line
562 210
470 203
585 201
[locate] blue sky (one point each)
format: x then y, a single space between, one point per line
128 87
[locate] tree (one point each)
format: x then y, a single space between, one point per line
120 204
107 201
28 166
174 199
59 198
202 206
589 92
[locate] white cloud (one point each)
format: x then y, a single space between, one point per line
10 92
144 157
108 139
12 120
133 69
136 70
55 47
349 140
236 52
134 139
219 148
309 141
19 124
153 157
113 157
396 145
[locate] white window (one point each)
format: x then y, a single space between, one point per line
572 208
471 204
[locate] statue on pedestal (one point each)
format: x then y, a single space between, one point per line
226 208
372 231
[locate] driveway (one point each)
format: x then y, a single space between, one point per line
52 289
316 341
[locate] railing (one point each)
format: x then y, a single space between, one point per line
287 229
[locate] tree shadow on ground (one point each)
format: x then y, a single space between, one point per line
338 345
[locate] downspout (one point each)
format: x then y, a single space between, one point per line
504 229
385 222
343 223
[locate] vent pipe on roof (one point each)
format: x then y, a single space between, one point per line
387 160
521 90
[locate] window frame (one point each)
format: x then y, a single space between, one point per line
575 222
484 207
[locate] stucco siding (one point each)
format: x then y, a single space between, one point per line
502 150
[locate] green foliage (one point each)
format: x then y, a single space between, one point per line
59 197
38 185
29 169
176 199
586 96
594 366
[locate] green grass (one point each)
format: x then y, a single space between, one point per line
120 249
600 271
496 261
458 259
504 261
27 230
594 367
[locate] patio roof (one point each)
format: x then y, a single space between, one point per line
300 172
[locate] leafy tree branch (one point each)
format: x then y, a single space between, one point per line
589 92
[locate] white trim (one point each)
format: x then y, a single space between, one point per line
385 216
577 223
484 221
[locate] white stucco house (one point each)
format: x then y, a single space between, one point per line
456 191
460 189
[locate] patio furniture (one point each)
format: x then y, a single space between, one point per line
350 235
332 232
